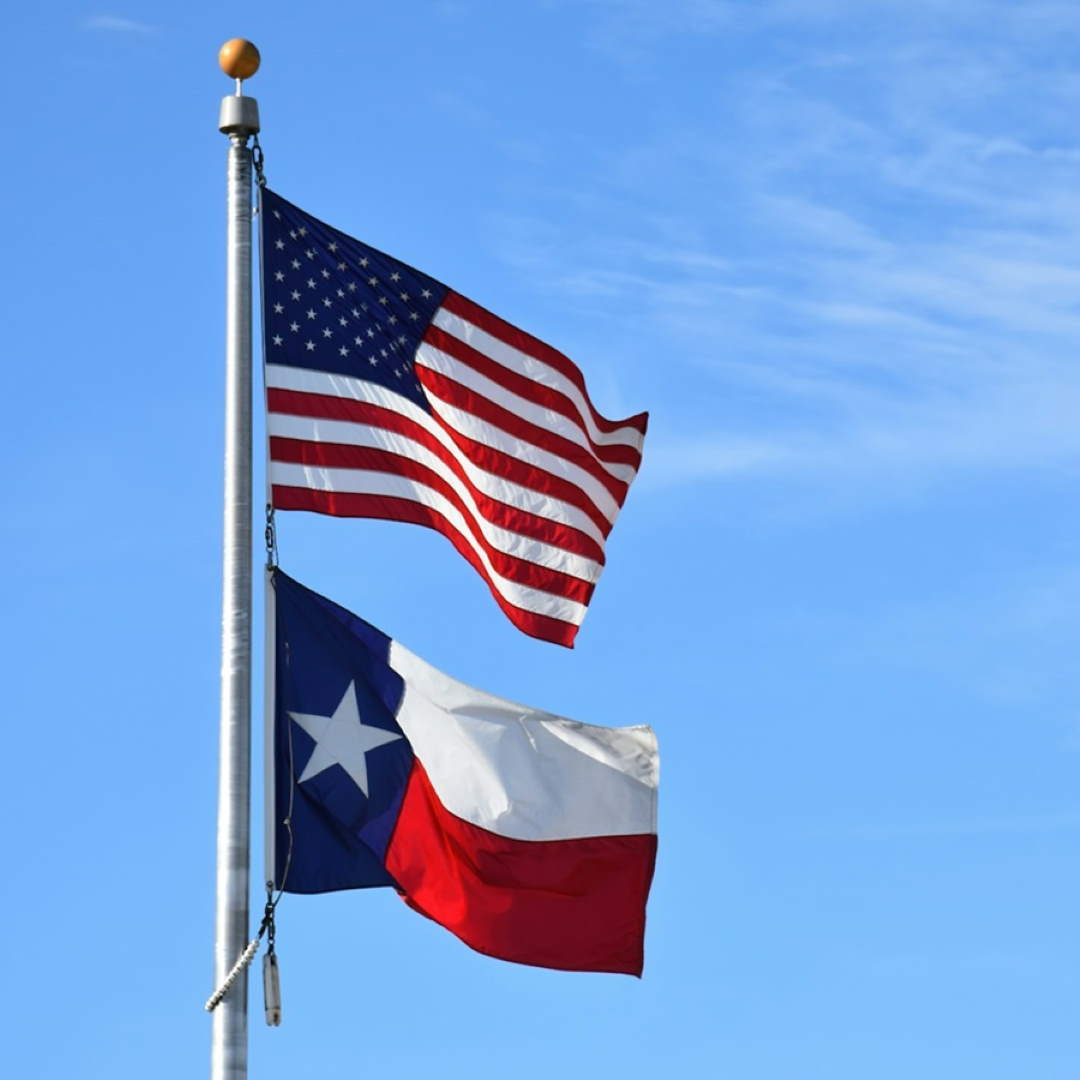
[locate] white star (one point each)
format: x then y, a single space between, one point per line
373 281
302 231
277 214
278 275
332 245
343 321
413 315
392 320
327 302
292 233
352 286
341 294
310 346
426 294
278 339
343 351
343 266
279 244
383 300
310 253
395 276
364 261
294 327
325 273
295 264
358 341
278 309
342 739
311 283
295 295
327 332
373 361
310 313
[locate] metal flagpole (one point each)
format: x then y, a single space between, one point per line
239 120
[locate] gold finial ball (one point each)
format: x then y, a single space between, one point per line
239 58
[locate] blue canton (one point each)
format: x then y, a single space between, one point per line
331 303
337 835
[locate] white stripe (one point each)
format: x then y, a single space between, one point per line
345 386
536 370
472 427
436 360
306 381
358 481
353 433
511 543
522 773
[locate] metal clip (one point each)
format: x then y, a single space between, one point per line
271 978
271 990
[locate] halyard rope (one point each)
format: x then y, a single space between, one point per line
245 959
272 901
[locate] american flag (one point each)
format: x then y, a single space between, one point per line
390 396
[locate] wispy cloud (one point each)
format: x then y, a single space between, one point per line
870 241
118 24
1010 824
643 18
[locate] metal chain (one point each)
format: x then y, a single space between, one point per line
258 158
270 535
271 927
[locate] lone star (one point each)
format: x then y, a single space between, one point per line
342 739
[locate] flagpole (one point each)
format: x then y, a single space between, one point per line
239 120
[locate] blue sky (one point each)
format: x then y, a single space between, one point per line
832 247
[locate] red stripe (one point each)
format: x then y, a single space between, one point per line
498 513
526 343
575 905
531 390
547 531
296 403
527 475
461 397
343 504
511 567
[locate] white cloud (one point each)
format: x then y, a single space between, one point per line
118 24
884 250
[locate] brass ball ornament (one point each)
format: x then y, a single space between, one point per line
239 58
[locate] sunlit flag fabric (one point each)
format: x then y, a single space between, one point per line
529 836
390 396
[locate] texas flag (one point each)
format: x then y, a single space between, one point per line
529 836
